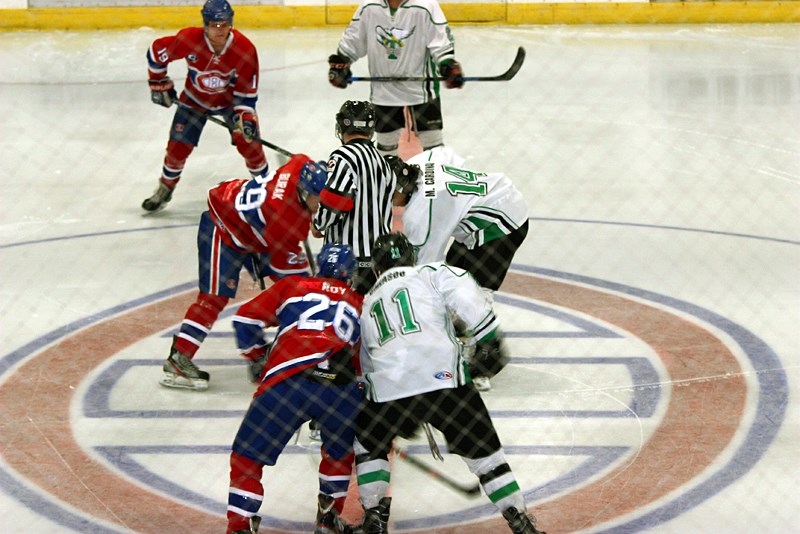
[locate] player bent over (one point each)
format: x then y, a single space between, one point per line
263 220
484 213
309 373
222 79
415 374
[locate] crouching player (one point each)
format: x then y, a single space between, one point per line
308 373
415 375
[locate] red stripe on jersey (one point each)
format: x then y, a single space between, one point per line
336 201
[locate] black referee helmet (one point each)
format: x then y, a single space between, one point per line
355 116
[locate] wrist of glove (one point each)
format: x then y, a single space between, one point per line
257 361
162 92
339 71
450 69
246 124
490 358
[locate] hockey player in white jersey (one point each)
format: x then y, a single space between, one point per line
415 375
400 38
483 213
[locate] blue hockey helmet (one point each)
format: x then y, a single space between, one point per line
217 11
336 261
313 176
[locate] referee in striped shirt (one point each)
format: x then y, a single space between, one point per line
356 203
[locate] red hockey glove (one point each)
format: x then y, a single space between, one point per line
247 124
452 73
162 92
339 71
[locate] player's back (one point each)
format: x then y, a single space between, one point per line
408 340
316 317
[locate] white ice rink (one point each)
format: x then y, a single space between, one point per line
652 312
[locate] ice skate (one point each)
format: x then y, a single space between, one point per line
159 200
181 372
328 520
376 520
255 521
520 522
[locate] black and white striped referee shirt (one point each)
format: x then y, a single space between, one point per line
356 203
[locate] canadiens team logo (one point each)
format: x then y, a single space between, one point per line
212 82
392 39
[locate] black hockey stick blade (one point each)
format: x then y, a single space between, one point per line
469 491
506 76
221 122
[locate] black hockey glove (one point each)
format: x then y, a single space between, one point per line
406 175
162 92
339 70
452 73
247 124
489 359
255 368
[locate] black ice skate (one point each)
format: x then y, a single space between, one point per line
376 520
520 522
158 201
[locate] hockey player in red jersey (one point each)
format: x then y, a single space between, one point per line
222 79
264 221
310 373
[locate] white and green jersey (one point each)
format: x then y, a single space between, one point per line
471 207
408 344
409 41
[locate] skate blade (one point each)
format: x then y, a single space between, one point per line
170 380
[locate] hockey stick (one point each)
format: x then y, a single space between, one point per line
256 260
506 76
311 262
221 122
469 491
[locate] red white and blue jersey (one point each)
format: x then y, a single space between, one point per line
213 81
316 318
265 215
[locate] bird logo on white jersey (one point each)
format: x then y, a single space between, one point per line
392 39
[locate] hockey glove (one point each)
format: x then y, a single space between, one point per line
257 360
255 368
247 124
339 70
452 73
489 359
162 92
406 175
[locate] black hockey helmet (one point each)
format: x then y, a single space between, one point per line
217 11
355 116
407 175
392 250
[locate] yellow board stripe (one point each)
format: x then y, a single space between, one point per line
254 17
